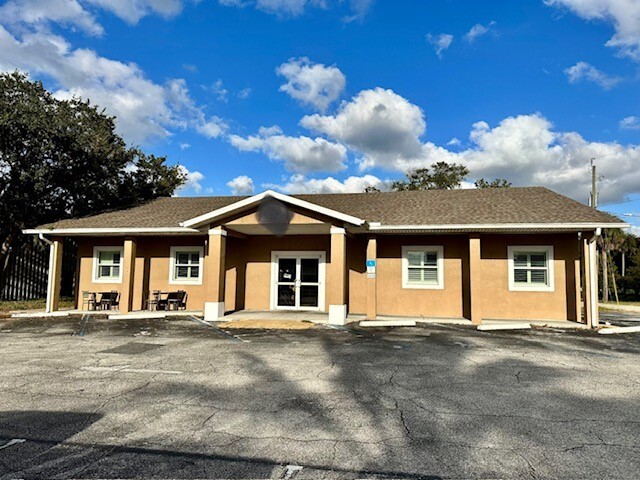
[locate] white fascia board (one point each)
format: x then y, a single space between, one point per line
113 231
499 226
248 202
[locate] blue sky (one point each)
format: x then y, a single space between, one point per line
332 96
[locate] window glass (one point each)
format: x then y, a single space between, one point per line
422 267
108 264
186 265
530 268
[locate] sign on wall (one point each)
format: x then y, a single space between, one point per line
371 268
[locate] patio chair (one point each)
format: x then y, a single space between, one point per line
89 299
154 300
110 300
177 300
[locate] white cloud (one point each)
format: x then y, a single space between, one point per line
192 184
185 146
359 9
289 8
630 123
382 126
301 184
295 8
311 83
42 12
74 13
187 114
634 230
454 142
132 11
623 14
242 185
244 93
299 154
477 31
144 110
219 91
585 71
386 131
269 131
440 42
527 151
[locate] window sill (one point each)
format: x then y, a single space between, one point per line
426 286
185 282
516 288
107 280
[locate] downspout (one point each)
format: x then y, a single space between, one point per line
49 300
593 277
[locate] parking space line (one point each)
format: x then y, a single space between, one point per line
291 470
126 369
13 441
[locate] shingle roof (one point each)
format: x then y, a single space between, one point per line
528 205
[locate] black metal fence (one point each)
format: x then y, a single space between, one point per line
24 271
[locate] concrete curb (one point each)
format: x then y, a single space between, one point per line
614 330
504 326
388 323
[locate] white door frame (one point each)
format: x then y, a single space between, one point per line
298 254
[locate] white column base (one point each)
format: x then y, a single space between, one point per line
213 311
337 314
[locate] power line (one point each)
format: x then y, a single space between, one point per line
624 201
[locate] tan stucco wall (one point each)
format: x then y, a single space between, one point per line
252 219
250 259
151 270
498 302
356 267
248 274
392 299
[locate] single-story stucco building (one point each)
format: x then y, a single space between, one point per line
504 253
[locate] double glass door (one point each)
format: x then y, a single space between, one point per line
298 282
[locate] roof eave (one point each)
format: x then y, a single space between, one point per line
256 199
495 228
112 231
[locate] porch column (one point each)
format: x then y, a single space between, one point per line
214 274
577 267
54 276
475 279
372 293
128 274
590 291
337 278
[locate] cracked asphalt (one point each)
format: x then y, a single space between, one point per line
178 399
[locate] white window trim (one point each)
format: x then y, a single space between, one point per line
96 253
548 249
439 249
172 265
322 267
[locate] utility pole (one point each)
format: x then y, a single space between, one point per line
594 185
603 247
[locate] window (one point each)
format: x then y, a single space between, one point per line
422 267
186 265
107 264
531 268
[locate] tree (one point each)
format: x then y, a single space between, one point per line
440 176
497 183
62 158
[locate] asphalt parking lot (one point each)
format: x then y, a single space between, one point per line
178 399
